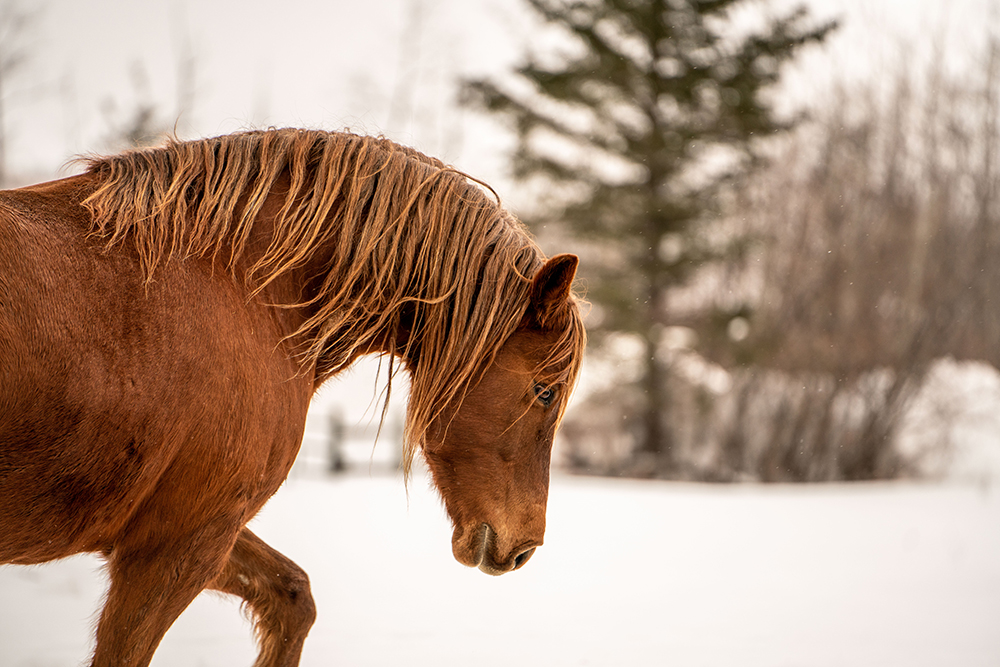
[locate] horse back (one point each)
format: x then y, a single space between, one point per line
124 401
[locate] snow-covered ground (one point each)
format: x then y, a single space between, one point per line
632 573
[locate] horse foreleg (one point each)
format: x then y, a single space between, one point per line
150 587
276 591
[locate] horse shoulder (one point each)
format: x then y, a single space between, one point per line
117 396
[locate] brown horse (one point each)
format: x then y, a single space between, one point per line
166 316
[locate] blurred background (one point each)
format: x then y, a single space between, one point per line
788 215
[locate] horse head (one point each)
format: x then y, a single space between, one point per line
489 451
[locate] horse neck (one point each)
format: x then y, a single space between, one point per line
302 285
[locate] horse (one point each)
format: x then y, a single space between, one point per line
167 314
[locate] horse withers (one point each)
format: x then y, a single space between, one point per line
166 316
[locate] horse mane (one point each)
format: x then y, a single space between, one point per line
413 246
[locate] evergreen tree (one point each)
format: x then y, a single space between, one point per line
634 132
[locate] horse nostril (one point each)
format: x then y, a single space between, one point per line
523 557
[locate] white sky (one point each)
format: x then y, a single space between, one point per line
341 63
297 62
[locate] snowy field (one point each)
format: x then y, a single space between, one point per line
632 573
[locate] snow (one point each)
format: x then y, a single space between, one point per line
632 573
955 422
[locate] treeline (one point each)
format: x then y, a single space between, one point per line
870 248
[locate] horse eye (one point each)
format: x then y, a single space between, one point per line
544 395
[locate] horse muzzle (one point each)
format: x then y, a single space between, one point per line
481 548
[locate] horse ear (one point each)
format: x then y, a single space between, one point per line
550 288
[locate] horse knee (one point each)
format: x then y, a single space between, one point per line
283 606
277 594
296 601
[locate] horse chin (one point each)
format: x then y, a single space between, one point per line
468 544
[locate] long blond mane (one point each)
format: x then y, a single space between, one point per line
408 240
